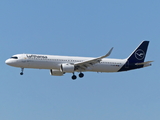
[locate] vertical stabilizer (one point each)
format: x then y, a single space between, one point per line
136 59
139 54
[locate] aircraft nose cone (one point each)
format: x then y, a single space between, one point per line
8 62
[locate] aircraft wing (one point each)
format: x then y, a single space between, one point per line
83 65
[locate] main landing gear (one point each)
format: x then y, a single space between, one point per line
75 77
22 69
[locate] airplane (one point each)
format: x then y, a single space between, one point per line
59 65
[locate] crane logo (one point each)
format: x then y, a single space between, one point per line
139 54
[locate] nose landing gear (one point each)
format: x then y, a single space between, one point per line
22 69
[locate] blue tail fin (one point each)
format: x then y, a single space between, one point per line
139 54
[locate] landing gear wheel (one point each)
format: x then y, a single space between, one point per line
21 73
74 77
81 75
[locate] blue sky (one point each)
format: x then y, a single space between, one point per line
79 28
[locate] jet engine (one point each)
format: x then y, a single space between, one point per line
56 72
69 68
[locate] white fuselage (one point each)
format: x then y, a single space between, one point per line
54 62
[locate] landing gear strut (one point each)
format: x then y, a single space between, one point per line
22 69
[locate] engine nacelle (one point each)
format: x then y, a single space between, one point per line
56 72
69 68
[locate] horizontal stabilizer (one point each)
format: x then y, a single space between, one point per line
144 63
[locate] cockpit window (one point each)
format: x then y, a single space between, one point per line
14 57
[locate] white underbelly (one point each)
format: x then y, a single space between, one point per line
104 68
